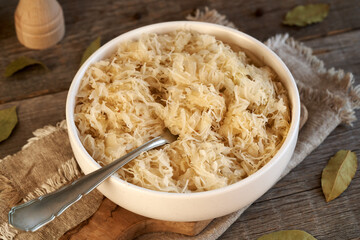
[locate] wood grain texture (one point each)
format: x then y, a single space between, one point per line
296 202
33 113
122 224
39 24
339 51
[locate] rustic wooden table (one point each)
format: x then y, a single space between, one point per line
296 202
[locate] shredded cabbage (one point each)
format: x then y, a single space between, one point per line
231 116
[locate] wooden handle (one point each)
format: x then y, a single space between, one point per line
39 24
114 222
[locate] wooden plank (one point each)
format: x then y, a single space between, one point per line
120 16
122 224
297 202
305 211
262 18
33 113
339 51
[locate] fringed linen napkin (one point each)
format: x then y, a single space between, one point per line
328 94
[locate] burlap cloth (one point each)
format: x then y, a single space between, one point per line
46 162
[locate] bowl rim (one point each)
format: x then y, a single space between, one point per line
292 93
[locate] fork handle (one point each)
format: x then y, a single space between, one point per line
34 214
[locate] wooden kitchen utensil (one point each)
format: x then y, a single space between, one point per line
39 24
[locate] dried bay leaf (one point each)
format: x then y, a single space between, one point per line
287 235
8 120
95 45
21 63
303 15
338 174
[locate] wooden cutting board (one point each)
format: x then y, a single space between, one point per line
111 221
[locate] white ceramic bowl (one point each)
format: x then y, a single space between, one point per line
202 205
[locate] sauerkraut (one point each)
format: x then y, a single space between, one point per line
231 116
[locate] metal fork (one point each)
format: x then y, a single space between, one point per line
34 214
